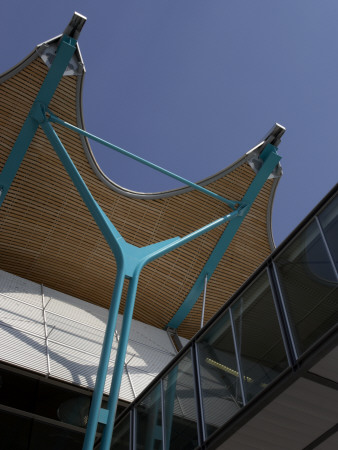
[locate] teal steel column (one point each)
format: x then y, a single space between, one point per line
104 362
119 362
64 53
136 259
115 241
110 233
130 260
270 160
169 403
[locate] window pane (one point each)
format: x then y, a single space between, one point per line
18 391
258 336
121 434
219 375
309 286
149 421
62 404
180 406
329 222
10 437
22 433
56 437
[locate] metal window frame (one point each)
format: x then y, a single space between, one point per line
238 356
282 317
201 432
289 327
326 245
291 372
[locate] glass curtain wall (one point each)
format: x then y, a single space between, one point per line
289 305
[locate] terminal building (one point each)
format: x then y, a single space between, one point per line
168 317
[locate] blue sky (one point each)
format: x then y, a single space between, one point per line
193 84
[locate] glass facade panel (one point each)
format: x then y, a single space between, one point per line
180 406
259 339
45 399
14 431
18 391
61 404
121 435
23 433
329 222
309 285
49 436
221 391
149 421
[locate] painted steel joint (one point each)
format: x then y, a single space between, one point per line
103 416
69 40
270 159
243 209
269 148
65 51
38 112
130 259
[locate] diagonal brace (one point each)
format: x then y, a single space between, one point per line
64 53
270 159
232 203
130 261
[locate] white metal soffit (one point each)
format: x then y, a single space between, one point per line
297 417
61 336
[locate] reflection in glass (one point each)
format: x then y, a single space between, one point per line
10 437
45 399
329 222
180 406
18 391
219 375
56 438
22 433
75 411
149 421
258 337
121 434
309 285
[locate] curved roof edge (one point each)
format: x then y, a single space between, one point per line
273 136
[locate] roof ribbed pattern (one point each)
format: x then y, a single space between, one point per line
48 236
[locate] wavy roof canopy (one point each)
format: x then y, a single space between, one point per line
48 236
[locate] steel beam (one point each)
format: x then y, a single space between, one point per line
130 261
270 159
232 203
64 53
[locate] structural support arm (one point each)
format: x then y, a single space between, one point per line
130 261
270 159
232 203
65 51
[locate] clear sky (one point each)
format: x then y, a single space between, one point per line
193 84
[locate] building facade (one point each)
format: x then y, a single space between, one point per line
196 261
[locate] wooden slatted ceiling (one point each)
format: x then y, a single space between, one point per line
48 236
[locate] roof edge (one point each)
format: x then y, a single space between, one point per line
273 136
269 138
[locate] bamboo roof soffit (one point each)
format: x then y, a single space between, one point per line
49 237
